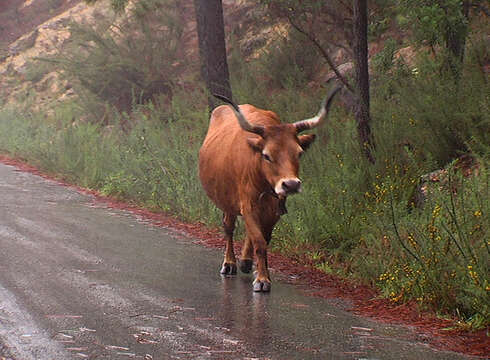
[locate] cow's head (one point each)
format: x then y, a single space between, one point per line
281 146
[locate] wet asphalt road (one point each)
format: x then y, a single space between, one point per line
78 280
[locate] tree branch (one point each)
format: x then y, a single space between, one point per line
323 52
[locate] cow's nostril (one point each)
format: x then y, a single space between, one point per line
291 185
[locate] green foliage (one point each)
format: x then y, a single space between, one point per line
431 21
131 61
294 6
381 17
328 23
286 63
117 5
152 164
437 255
383 60
432 117
36 70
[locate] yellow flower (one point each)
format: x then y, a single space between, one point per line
477 213
436 211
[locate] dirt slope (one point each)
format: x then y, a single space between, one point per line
39 28
19 17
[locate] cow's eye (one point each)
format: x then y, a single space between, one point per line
266 157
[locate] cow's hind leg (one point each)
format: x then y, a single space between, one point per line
246 259
229 263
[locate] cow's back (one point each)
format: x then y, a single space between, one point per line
227 164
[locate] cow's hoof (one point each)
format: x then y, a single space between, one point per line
262 286
245 265
228 269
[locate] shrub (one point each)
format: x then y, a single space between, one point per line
130 61
433 118
437 255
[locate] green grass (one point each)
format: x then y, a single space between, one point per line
153 164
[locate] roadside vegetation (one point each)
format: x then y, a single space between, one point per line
415 223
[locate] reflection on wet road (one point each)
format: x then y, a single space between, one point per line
78 280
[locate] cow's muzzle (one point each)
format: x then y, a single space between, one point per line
288 186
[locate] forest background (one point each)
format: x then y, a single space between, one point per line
396 187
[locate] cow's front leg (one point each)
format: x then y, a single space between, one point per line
229 263
262 282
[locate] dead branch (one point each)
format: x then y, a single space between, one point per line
324 53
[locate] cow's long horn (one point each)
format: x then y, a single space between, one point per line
322 114
244 124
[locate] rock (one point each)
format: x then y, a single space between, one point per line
466 164
408 55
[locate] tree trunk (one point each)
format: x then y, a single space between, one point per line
362 77
212 49
456 42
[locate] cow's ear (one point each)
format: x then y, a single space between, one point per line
256 143
306 140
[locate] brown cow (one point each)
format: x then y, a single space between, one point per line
248 167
